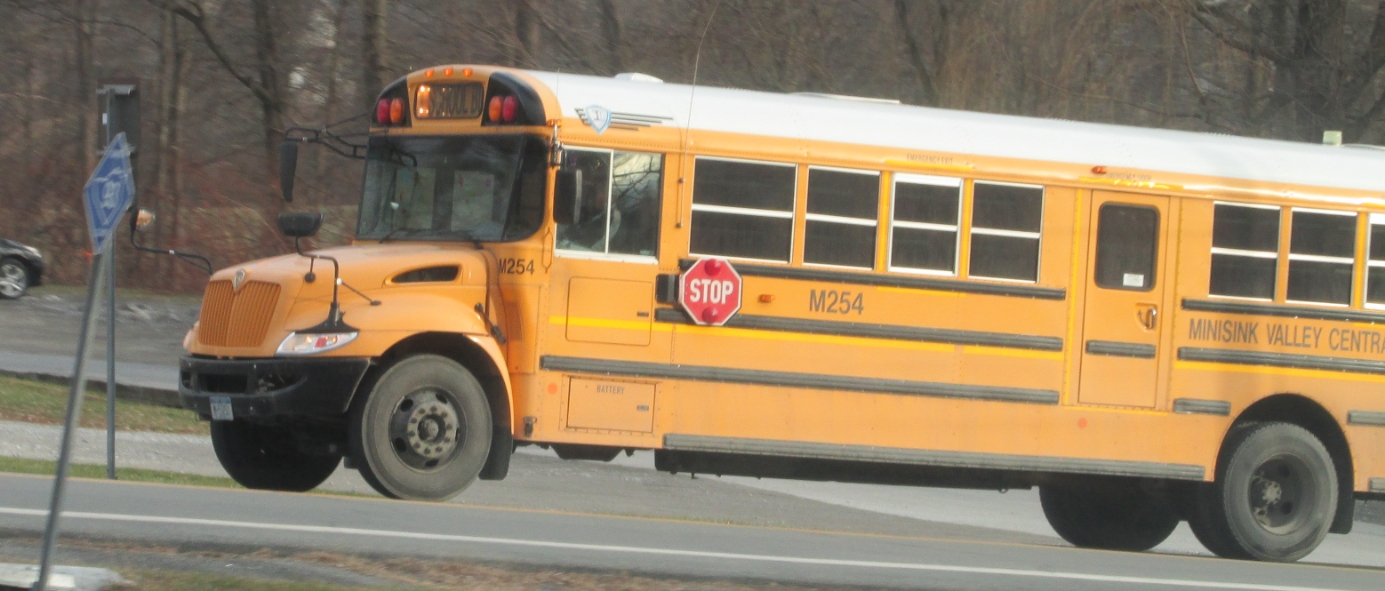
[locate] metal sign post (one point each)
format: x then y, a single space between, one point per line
106 196
119 115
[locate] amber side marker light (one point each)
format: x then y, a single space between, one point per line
1098 170
446 71
766 298
466 72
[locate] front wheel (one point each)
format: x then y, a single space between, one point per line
14 279
1107 514
1274 497
424 430
268 457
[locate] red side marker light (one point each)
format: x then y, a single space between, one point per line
382 112
508 108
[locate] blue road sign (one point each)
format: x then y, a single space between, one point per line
108 193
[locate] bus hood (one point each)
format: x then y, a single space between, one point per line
367 268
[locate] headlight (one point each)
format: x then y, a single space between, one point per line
188 338
310 343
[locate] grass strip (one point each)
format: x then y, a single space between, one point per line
39 402
49 467
164 580
98 471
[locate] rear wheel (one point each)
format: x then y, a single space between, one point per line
14 279
268 457
1108 514
1274 497
424 430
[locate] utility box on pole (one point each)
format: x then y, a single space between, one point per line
119 106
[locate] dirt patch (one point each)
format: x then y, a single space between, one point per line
157 567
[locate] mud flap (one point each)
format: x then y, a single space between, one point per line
498 460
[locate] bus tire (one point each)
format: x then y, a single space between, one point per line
423 431
1107 514
265 457
1274 497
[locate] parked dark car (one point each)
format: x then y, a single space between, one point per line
21 267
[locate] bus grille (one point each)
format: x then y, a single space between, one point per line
237 319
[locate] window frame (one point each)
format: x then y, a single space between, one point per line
790 215
1039 235
1290 257
1372 220
956 229
837 219
610 198
1259 254
1157 247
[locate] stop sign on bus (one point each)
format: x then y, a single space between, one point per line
710 291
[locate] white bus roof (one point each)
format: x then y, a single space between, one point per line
873 123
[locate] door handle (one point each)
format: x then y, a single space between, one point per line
1149 317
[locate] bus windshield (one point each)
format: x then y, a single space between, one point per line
478 188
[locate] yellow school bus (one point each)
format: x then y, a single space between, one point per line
1150 326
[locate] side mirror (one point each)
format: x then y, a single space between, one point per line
288 167
567 196
143 219
299 225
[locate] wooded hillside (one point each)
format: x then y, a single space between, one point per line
220 79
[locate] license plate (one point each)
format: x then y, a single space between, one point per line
221 409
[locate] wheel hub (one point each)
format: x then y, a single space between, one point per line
13 279
432 430
425 428
1275 491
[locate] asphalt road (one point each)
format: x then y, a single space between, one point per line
178 515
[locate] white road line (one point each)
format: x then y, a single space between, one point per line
317 529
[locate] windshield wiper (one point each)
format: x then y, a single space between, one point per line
390 234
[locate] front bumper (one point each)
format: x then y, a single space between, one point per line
276 387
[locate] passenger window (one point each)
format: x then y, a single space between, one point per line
1322 256
1245 250
1006 225
620 203
1127 247
925 214
743 209
842 209
1375 261
636 180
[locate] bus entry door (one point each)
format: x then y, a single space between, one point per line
1124 314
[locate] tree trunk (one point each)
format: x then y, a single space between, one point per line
611 33
1316 67
375 44
527 30
84 13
